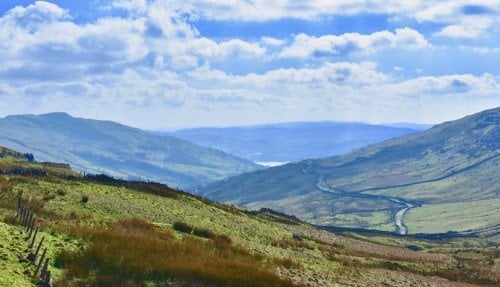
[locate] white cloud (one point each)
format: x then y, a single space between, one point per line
258 10
270 41
135 6
467 19
240 49
32 39
341 73
468 28
153 67
305 46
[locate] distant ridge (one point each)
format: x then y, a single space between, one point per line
118 150
287 142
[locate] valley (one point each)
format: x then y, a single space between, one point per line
288 142
389 185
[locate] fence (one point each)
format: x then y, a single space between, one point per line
27 220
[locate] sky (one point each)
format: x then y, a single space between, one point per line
163 64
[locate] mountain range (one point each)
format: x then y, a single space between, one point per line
293 141
449 171
118 150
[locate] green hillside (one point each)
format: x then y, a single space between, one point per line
118 150
450 163
105 232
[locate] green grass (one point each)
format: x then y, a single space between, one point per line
14 245
379 220
459 216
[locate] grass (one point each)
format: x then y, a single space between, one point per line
131 252
379 220
13 246
221 237
459 216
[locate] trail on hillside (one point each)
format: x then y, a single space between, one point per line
401 229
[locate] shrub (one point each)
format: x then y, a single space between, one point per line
85 198
203 233
182 227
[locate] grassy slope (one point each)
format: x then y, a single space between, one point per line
324 259
13 245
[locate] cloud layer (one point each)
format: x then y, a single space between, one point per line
146 63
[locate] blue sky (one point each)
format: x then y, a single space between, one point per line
165 64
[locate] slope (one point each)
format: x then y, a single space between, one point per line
146 234
452 162
291 141
111 148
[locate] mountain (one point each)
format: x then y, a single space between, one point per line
118 150
291 141
100 231
450 172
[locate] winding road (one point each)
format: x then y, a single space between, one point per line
398 218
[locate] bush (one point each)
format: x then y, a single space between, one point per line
85 198
203 233
182 227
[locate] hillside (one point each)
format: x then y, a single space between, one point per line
440 168
104 232
291 141
118 150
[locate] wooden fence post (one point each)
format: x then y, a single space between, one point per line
47 279
23 212
39 264
32 225
34 237
19 206
28 222
38 248
25 216
45 266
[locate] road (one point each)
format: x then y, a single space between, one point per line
401 229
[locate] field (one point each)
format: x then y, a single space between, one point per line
459 216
